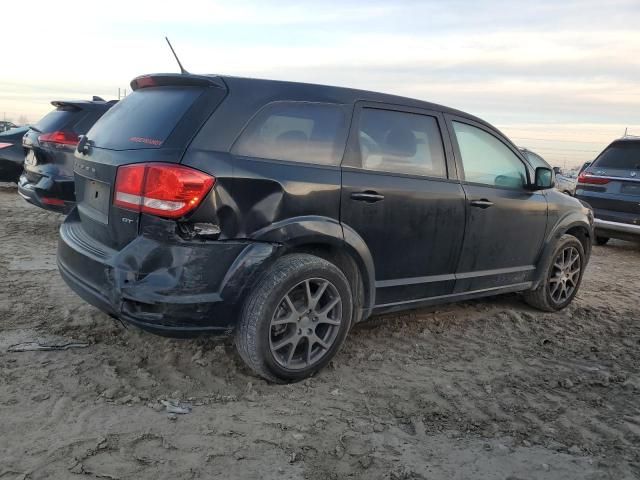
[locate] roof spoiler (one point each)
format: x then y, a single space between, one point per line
66 104
78 104
176 79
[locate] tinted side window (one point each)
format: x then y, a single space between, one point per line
487 160
401 142
297 132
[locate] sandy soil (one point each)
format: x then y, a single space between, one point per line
487 389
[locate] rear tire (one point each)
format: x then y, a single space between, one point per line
284 333
563 273
602 240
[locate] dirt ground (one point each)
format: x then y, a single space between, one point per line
488 389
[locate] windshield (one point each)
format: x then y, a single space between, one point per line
622 156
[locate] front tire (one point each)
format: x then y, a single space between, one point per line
295 319
563 275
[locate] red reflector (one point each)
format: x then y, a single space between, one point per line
60 137
143 82
5 145
52 201
161 189
593 180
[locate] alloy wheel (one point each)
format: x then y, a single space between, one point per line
305 324
565 275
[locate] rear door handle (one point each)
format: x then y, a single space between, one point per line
482 203
369 197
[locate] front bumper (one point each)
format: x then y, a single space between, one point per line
47 193
170 287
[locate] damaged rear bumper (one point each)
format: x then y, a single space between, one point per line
180 288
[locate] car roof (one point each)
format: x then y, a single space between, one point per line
287 90
14 131
628 138
342 94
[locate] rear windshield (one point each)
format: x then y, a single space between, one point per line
56 120
144 119
623 156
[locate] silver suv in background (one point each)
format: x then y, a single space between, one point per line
564 184
611 185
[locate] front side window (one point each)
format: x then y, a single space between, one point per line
297 132
487 160
400 142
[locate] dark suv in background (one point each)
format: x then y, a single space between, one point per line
47 180
11 154
282 213
611 185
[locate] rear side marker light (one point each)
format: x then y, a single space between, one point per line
59 137
5 145
592 180
162 189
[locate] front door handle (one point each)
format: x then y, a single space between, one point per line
369 197
482 203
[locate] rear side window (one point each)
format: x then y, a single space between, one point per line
296 132
622 155
144 119
487 160
401 142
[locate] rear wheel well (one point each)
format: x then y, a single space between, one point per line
344 262
582 234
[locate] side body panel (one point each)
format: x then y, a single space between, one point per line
414 233
505 227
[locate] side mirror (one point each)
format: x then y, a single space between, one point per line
545 179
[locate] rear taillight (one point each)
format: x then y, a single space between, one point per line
52 201
591 179
59 137
5 145
161 189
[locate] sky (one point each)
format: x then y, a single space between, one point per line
558 77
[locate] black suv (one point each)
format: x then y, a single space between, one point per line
47 179
283 213
611 185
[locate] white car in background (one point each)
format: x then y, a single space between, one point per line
565 183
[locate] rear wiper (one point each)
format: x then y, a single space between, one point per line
34 128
